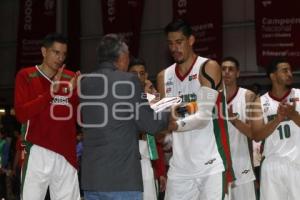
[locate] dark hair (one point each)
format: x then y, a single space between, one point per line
272 67
136 61
54 37
232 59
256 88
110 48
179 25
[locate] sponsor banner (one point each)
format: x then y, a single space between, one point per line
277 31
37 18
205 17
124 17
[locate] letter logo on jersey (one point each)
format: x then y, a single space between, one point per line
192 77
266 106
169 82
60 100
210 161
246 171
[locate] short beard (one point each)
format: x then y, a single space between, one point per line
179 61
289 86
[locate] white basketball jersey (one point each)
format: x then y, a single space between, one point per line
239 148
285 140
195 152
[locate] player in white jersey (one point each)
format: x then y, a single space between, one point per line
276 121
239 101
196 167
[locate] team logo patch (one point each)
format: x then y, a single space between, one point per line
192 77
65 90
266 106
169 82
182 123
210 162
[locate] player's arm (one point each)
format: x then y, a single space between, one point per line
245 127
210 80
25 107
211 75
160 85
260 130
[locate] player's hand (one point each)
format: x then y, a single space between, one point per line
162 183
282 111
56 85
73 81
291 110
232 117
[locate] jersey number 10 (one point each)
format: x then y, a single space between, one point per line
284 131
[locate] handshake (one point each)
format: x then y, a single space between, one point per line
167 102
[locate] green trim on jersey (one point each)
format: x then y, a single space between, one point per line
38 74
24 168
34 75
222 137
27 144
66 76
224 109
27 148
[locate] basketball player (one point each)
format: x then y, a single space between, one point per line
45 102
276 121
239 101
196 167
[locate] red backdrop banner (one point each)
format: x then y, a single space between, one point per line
37 18
205 17
73 58
277 31
124 17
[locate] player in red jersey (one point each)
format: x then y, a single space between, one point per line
45 103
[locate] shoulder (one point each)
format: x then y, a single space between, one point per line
160 75
27 70
27 73
124 77
211 66
297 90
263 98
68 74
210 74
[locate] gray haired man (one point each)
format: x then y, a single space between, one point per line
113 114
